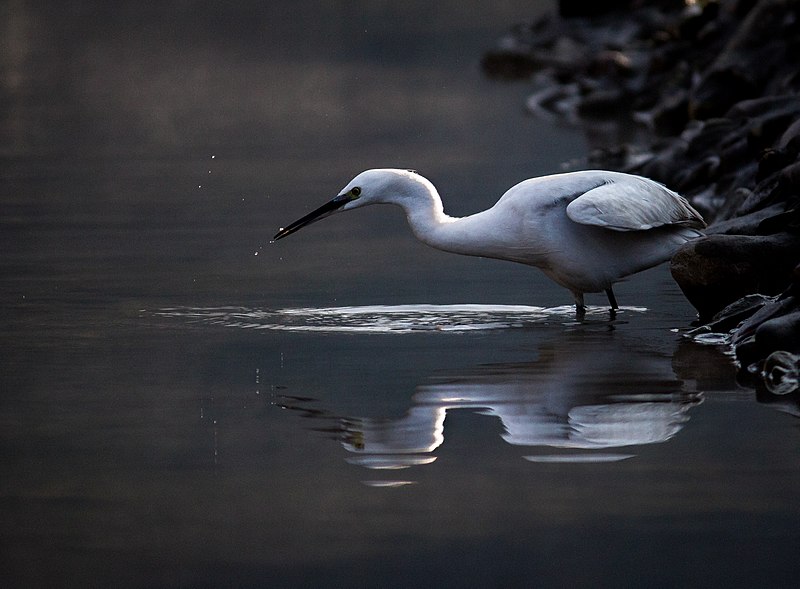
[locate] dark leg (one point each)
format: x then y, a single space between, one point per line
580 307
612 299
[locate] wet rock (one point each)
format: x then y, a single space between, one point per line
788 221
749 59
576 8
749 224
775 326
780 333
729 318
792 134
720 90
757 337
768 107
601 102
716 270
788 184
508 65
773 161
781 373
671 114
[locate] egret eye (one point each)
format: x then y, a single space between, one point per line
356 192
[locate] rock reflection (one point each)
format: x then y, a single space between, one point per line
776 380
781 373
577 401
778 383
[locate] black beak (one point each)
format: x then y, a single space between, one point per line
328 208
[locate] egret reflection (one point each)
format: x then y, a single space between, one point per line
531 415
570 405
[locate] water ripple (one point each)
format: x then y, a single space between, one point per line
384 318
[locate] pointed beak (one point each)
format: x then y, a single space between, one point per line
325 210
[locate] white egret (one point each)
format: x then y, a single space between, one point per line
585 230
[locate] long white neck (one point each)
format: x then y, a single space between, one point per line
432 226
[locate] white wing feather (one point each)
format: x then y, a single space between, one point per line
633 204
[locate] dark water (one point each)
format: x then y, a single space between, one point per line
346 408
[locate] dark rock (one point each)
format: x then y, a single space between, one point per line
774 327
670 116
749 224
734 314
781 373
780 333
763 195
788 221
749 59
789 180
764 132
745 334
601 102
716 270
769 106
779 189
578 8
773 161
792 133
722 327
508 65
695 22
728 209
720 90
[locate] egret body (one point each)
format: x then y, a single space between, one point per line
585 230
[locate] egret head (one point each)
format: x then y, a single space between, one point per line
370 187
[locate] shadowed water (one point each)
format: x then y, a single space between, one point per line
184 405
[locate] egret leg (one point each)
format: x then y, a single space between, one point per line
580 307
612 299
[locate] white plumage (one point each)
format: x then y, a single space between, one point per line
586 230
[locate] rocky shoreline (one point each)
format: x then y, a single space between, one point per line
712 93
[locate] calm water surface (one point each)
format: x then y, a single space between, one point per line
185 405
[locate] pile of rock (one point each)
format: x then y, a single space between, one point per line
717 85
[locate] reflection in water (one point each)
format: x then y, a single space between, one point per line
781 373
778 382
385 318
586 394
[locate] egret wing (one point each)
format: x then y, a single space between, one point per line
633 204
